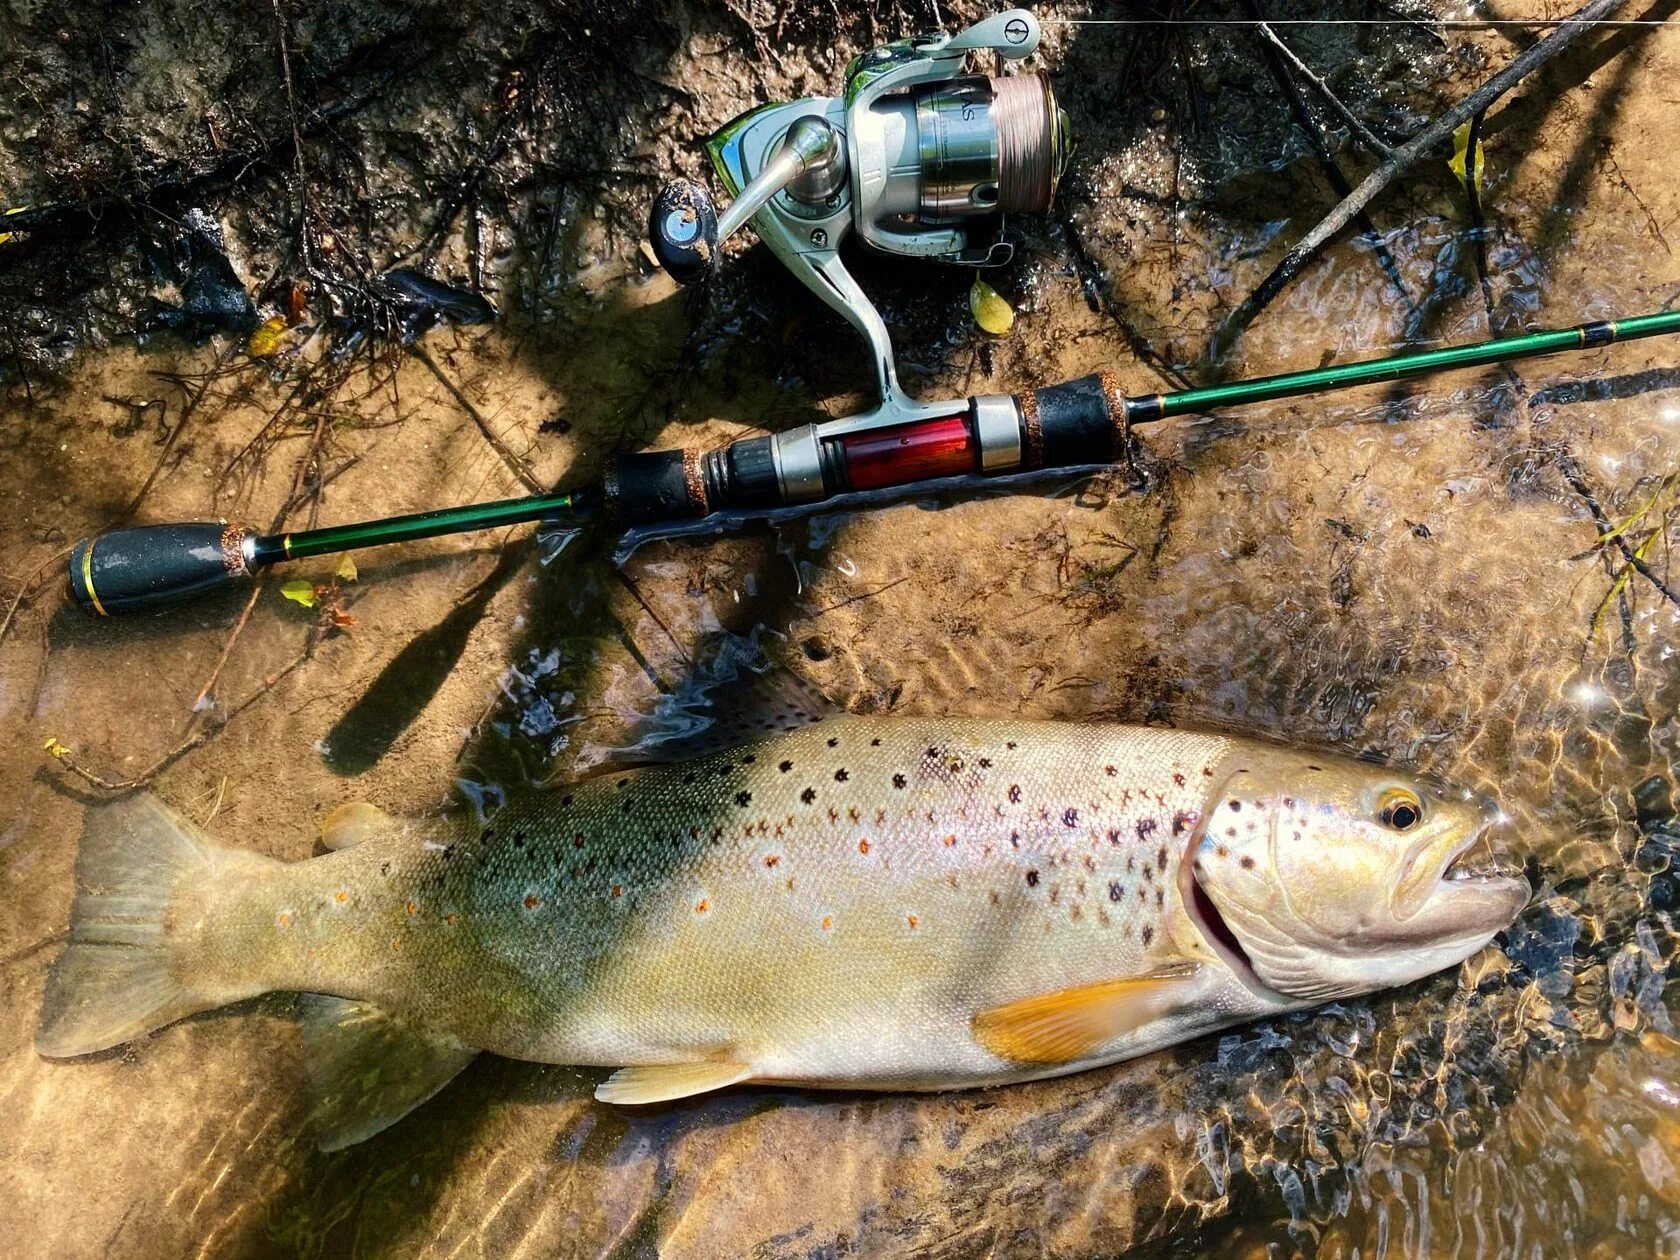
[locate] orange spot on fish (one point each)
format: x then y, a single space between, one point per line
450 919
863 846
285 920
827 923
412 908
773 860
341 895
702 906
949 841
911 920
532 901
618 890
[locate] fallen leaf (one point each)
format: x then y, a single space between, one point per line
6 236
55 749
265 341
342 620
300 592
346 571
991 312
1461 156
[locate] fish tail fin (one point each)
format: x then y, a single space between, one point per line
128 969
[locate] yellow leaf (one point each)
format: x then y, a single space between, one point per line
300 593
991 312
346 571
1462 156
55 749
266 339
4 237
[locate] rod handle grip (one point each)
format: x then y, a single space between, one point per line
151 566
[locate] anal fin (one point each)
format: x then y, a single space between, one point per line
663 1082
368 1069
1067 1025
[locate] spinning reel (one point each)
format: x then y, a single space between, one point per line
919 159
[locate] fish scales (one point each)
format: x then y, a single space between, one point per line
834 903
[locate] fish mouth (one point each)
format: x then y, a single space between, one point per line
1462 889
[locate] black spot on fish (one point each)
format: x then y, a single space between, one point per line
1032 879
689 777
1247 863
1070 817
1207 772
1309 768
448 853
1014 793
840 776
874 743
1182 822
1160 897
808 795
1161 858
748 759
834 743
1110 771
1236 807
565 800
384 868
1178 778
1148 935
1116 890
1015 839
1010 744
519 839
899 780
487 835
785 766
1114 835
985 763
743 799
622 783
1146 828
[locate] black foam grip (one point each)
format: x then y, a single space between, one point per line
655 486
1078 423
149 566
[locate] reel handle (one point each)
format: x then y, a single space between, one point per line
151 566
684 228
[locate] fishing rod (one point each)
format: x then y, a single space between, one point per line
1079 423
918 160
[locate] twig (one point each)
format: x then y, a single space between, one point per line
28 588
1309 247
1280 68
68 759
1366 136
515 464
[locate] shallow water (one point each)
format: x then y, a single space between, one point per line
1409 572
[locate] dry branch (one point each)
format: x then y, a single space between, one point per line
1309 246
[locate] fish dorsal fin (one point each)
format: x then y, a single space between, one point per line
737 697
350 824
663 1082
1067 1025
368 1069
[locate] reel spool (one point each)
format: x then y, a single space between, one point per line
919 159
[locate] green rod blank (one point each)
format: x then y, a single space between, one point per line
1400 366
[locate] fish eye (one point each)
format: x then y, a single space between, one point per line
1400 809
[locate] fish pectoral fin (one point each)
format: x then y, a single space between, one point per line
1067 1025
663 1082
368 1069
350 824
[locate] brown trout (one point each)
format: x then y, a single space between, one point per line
878 903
